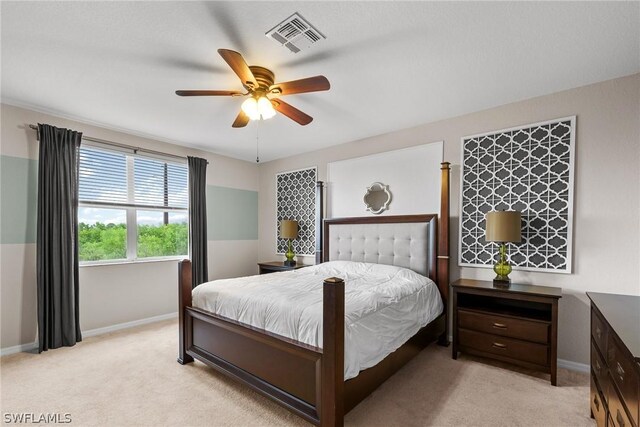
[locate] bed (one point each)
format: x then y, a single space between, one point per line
307 374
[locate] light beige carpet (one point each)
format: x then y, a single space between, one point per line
131 377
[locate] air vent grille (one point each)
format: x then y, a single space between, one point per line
288 30
295 33
312 36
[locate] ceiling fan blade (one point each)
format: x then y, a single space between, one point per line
240 67
292 112
310 84
241 120
208 93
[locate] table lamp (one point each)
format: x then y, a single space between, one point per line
503 227
289 231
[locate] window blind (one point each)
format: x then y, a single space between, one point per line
103 176
121 179
158 183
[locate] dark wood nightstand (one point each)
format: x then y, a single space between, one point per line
518 324
273 266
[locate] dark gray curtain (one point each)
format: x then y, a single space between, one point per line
198 220
57 238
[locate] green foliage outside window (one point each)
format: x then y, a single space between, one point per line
162 240
102 241
109 241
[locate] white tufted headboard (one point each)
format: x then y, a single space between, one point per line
406 241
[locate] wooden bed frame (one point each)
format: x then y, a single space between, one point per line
307 380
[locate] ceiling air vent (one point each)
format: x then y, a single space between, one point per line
295 33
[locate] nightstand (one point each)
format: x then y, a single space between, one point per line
517 325
273 266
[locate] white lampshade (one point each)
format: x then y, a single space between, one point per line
265 108
257 109
250 108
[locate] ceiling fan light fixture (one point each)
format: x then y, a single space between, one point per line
265 108
259 84
250 108
258 109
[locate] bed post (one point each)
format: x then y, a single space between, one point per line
443 248
184 301
332 371
319 219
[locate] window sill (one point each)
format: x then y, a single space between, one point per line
132 262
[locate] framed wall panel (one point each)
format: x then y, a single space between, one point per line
296 200
528 169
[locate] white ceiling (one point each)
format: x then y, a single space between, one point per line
391 65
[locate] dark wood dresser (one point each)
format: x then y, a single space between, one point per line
518 324
615 359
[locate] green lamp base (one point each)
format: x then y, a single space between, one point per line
290 262
502 269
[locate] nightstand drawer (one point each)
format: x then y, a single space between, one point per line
506 347
624 376
524 329
599 332
598 408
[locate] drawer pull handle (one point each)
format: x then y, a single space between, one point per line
598 332
619 418
596 402
499 345
499 325
620 371
597 366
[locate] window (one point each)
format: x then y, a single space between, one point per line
130 207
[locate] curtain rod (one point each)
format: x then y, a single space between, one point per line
129 147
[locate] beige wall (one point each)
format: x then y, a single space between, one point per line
111 294
607 191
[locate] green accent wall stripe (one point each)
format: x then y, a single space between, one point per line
18 198
232 214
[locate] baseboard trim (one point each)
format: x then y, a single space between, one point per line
19 348
126 325
93 332
574 366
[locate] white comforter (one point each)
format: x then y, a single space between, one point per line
384 306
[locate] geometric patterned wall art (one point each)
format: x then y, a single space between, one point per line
296 199
527 169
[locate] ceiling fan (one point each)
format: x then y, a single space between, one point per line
264 93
